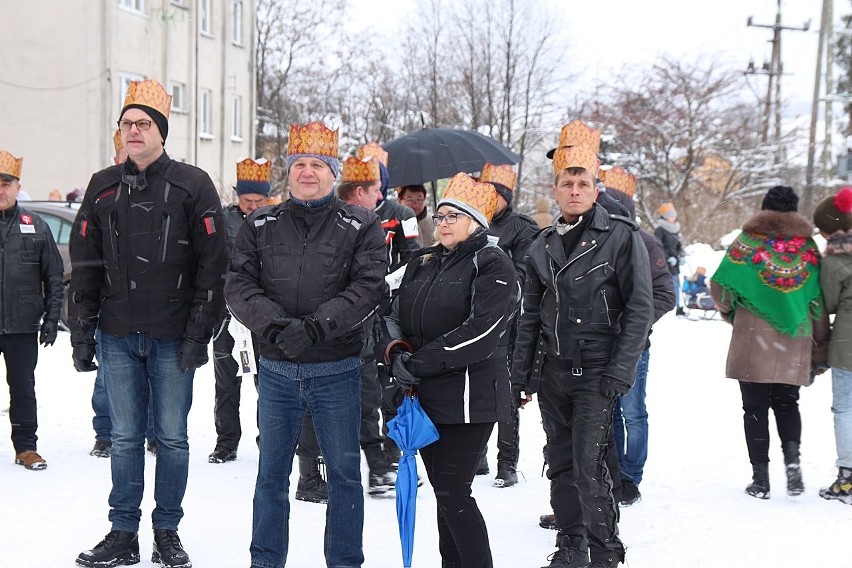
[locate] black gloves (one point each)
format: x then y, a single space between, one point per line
193 354
293 336
401 373
613 388
48 332
84 357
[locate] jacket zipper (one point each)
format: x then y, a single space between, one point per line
606 307
592 269
556 288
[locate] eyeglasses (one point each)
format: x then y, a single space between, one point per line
141 125
450 218
415 200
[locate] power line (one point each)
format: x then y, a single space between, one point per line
50 89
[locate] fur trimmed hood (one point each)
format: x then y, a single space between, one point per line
779 224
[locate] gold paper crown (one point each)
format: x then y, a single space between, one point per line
502 174
577 133
10 165
373 150
620 179
466 193
116 141
250 170
149 93
312 138
358 170
575 157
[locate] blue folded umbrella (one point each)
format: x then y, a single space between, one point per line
411 430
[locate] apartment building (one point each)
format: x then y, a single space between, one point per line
65 66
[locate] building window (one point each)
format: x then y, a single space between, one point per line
237 21
178 92
134 5
237 118
205 113
206 7
124 81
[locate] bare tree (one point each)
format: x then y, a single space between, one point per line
682 130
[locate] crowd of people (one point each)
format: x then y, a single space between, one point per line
340 301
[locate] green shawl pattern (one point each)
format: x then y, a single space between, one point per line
775 278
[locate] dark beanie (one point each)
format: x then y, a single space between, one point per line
780 198
503 191
251 186
161 121
835 213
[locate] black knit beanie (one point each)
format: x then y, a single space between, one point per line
780 198
161 121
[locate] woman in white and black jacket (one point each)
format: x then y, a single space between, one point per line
452 308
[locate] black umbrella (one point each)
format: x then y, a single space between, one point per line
438 153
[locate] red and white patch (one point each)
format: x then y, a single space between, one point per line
209 225
26 219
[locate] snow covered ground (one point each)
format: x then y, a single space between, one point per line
694 512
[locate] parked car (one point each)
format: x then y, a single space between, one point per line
59 216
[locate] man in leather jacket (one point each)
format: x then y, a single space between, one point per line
587 310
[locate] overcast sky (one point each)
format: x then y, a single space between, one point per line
638 32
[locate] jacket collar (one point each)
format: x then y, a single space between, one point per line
779 224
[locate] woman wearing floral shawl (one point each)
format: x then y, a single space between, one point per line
767 287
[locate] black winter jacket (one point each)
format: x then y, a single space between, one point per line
593 308
515 233
148 253
453 307
402 236
30 274
295 261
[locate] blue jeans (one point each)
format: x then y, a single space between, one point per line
335 402
630 421
841 406
101 422
138 368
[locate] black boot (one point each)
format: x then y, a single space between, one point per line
507 475
572 552
118 548
168 550
482 468
382 480
312 487
795 485
759 487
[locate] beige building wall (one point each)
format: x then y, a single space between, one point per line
65 65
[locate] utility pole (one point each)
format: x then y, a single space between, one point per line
828 18
774 71
822 45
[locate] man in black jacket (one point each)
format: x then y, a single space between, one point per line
514 233
30 291
304 276
252 190
148 252
587 310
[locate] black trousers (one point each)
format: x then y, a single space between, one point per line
577 420
508 439
226 411
20 352
758 398
371 394
451 464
